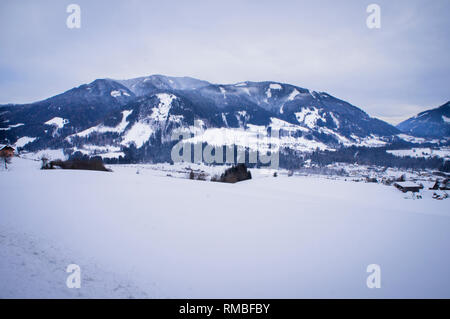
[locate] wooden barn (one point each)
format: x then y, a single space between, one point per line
408 187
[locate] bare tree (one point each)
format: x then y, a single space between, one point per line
6 159
44 160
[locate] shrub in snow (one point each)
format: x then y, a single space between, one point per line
94 164
45 164
235 174
198 175
5 154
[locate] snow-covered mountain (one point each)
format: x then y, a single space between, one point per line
47 122
432 123
135 118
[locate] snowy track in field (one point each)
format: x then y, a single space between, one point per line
34 268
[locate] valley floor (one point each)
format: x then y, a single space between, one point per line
149 235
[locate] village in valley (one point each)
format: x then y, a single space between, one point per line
411 184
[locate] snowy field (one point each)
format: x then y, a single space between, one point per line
150 235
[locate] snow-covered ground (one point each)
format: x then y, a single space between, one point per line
158 236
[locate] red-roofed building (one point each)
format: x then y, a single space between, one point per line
7 151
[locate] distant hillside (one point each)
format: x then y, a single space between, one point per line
432 123
135 118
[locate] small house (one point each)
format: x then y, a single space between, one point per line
442 185
408 187
445 185
435 186
7 151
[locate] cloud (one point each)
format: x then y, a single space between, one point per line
314 44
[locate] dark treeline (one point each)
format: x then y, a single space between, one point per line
361 156
154 152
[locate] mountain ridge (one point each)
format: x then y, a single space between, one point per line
114 116
430 123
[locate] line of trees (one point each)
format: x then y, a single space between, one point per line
362 156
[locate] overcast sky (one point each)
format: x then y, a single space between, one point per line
391 73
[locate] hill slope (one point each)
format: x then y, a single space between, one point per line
431 123
108 117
